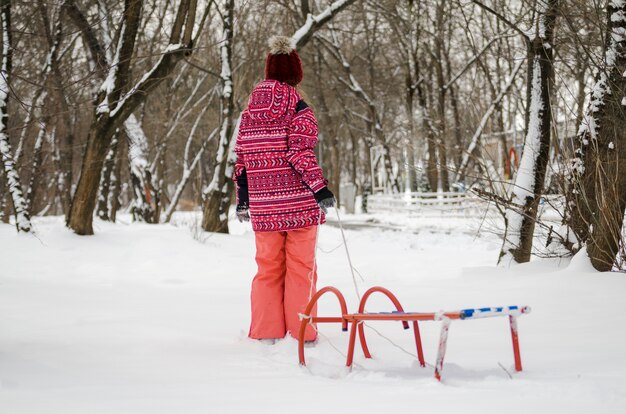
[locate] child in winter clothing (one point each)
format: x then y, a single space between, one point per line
282 191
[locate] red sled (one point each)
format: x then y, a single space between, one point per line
357 320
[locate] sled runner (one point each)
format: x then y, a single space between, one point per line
357 319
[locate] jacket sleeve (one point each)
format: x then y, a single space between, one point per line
301 142
240 177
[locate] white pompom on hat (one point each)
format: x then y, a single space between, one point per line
281 45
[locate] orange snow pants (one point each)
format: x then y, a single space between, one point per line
284 283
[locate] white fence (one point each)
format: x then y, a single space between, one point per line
429 204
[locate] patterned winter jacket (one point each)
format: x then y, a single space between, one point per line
276 170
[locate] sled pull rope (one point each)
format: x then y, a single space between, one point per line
345 244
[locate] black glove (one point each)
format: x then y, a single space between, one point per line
325 199
243 212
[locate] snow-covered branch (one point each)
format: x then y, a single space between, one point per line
314 22
150 80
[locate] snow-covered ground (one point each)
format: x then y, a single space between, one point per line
153 319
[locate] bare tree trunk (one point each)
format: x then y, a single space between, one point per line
220 192
597 196
458 139
4 214
411 139
35 170
526 193
116 183
432 172
80 218
103 209
441 97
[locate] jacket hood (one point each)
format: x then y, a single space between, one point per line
271 100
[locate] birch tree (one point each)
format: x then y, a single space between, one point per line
20 206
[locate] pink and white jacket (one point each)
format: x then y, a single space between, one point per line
276 170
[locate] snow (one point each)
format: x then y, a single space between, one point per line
618 16
137 145
146 319
617 3
6 47
541 20
226 73
302 31
137 158
174 47
601 88
225 140
108 85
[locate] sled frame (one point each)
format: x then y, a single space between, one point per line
357 320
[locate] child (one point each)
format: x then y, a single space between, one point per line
282 191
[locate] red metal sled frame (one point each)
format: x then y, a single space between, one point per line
357 319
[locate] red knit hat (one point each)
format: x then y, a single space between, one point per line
283 63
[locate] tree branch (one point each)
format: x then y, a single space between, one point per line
313 23
502 19
472 60
91 40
